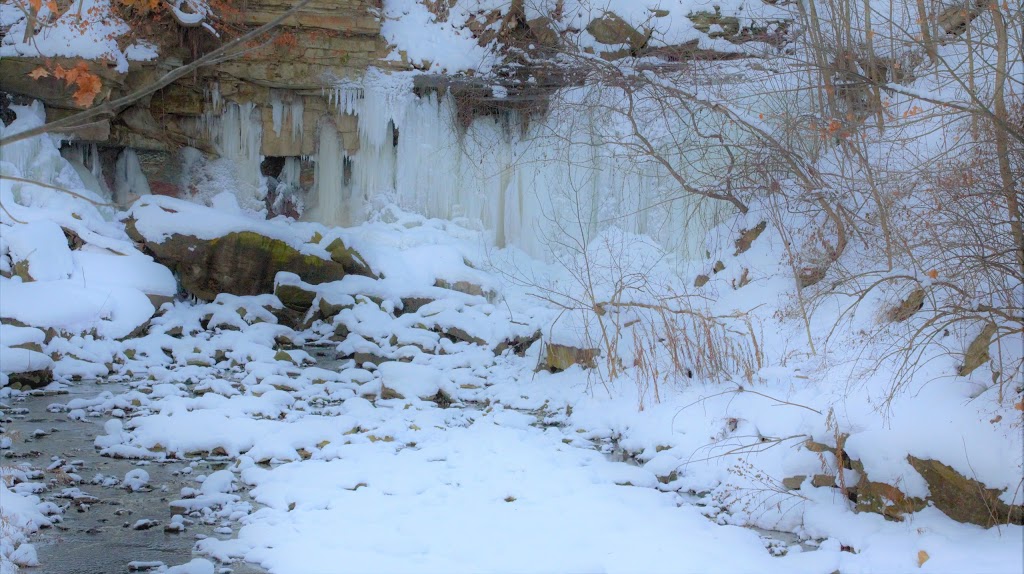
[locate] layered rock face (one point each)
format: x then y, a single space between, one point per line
326 42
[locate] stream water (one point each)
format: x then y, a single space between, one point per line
98 532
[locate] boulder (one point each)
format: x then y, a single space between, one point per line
976 354
611 29
964 499
559 357
906 309
239 263
747 237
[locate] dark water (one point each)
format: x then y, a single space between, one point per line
96 536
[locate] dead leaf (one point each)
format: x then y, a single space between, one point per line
89 86
39 72
997 419
932 273
1019 406
922 557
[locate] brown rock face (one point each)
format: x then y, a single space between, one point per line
964 499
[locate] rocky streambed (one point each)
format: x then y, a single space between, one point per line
115 515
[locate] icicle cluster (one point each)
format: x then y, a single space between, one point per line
525 188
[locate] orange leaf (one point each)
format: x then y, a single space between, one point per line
1019 406
35 5
51 5
922 557
59 72
39 72
932 273
89 86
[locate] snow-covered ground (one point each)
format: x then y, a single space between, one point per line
410 429
448 456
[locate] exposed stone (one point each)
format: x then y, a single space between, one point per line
350 260
463 287
955 19
823 480
964 499
718 267
295 297
457 334
794 482
413 304
747 237
519 345
328 309
906 309
14 78
31 379
701 280
885 499
809 276
976 354
558 357
239 263
611 29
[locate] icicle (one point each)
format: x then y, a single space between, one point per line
291 172
238 135
129 180
276 111
329 179
297 109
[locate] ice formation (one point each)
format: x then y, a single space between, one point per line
86 161
238 134
527 186
129 180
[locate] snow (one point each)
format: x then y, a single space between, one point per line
42 245
404 434
90 30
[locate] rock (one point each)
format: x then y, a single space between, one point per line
906 309
976 354
463 287
239 263
747 237
726 26
794 482
718 267
823 480
351 261
519 345
808 276
31 379
964 499
955 19
413 304
884 499
457 334
560 357
701 280
295 296
611 29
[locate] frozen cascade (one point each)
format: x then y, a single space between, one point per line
333 205
276 110
525 188
296 109
293 109
129 181
238 134
291 172
86 161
